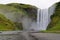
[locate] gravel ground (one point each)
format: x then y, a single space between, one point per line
18 35
46 36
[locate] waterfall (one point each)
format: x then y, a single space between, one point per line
43 17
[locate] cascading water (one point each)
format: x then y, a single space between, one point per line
42 19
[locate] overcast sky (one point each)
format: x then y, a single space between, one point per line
38 3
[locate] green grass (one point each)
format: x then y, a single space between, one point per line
6 24
17 5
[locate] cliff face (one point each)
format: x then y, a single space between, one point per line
20 14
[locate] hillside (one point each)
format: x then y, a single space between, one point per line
12 14
55 20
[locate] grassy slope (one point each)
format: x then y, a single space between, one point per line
54 26
5 24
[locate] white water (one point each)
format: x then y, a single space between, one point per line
42 19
